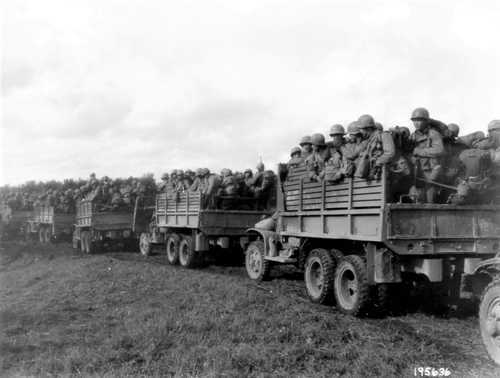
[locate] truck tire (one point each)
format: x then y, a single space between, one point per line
172 249
145 244
258 268
75 241
48 234
187 254
319 273
351 287
41 235
489 319
84 240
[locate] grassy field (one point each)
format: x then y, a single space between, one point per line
116 315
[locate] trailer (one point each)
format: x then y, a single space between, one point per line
97 229
188 230
353 244
47 225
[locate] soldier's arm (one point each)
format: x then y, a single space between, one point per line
436 148
388 147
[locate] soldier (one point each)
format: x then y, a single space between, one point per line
306 145
336 166
164 182
265 191
197 183
179 187
378 150
248 180
315 163
451 162
400 168
295 157
355 143
210 186
427 154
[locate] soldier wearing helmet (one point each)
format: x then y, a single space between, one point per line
228 186
209 187
337 165
353 147
428 151
315 163
196 185
295 157
452 166
306 146
378 149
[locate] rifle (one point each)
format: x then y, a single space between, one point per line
435 183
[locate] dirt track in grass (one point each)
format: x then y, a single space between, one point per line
120 314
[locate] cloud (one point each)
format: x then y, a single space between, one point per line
124 88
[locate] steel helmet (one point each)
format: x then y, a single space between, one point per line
366 121
248 171
494 125
379 126
420 113
164 176
353 128
318 139
337 129
454 129
305 140
260 166
174 172
199 172
295 150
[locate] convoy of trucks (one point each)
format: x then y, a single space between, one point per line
352 244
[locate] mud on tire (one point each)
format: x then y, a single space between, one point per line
319 273
489 319
257 267
352 292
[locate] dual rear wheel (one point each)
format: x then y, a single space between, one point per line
180 250
329 277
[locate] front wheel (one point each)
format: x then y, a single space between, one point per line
258 268
351 286
489 319
319 276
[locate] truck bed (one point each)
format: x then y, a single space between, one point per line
184 210
357 209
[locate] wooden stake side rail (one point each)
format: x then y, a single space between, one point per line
350 209
184 210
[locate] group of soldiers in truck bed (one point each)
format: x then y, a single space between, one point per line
227 190
433 164
106 193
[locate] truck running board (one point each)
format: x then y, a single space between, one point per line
280 259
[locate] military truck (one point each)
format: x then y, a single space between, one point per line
188 228
354 245
13 223
48 225
98 229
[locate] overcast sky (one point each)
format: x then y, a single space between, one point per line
127 87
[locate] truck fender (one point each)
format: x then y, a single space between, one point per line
266 236
489 266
